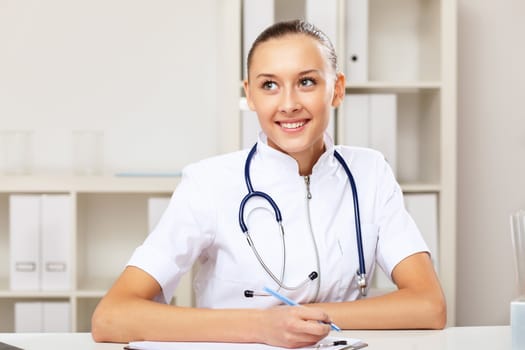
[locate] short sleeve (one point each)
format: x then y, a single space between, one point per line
179 238
398 235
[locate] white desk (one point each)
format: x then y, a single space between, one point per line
455 338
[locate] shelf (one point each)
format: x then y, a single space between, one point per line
18 294
90 293
87 184
6 293
93 287
388 86
420 188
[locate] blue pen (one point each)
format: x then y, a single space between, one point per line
290 302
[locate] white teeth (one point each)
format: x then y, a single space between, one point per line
292 125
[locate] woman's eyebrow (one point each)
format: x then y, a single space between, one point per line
309 71
265 75
273 76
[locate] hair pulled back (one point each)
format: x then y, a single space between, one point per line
297 26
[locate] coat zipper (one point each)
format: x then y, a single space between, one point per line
308 216
307 182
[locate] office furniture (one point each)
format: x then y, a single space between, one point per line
109 219
454 338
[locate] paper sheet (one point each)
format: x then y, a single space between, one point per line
154 345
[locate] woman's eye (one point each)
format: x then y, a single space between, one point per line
307 82
269 85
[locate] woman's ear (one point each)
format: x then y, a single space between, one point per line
246 87
339 90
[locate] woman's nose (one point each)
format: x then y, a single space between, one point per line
289 102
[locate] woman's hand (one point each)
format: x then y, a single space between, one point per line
294 326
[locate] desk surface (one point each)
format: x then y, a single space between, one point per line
454 338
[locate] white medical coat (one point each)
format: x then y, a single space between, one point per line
201 224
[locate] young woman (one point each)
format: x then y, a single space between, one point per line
296 175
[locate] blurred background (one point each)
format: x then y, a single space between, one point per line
156 84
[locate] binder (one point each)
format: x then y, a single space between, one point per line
36 317
24 235
56 242
423 207
323 14
383 126
56 317
256 16
250 126
371 121
28 317
40 242
156 207
356 41
355 125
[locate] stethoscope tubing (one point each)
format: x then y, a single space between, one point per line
361 273
357 217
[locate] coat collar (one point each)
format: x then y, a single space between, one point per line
277 161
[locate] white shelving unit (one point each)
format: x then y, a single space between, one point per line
109 222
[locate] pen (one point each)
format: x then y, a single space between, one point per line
289 301
334 343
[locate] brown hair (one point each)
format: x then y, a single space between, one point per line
297 26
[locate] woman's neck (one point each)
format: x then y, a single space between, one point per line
305 159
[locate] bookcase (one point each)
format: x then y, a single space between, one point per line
411 50
109 220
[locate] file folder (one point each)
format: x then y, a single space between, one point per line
28 317
37 317
356 109
371 121
383 126
323 14
250 128
24 236
356 41
56 317
256 16
56 231
423 207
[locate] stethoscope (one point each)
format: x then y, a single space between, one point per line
360 274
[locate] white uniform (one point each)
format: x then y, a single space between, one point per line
202 223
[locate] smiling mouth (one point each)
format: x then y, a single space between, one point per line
294 125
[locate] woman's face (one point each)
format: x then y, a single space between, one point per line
292 87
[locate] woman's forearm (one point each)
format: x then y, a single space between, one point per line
401 309
418 303
132 319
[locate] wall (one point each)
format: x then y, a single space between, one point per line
491 157
145 73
